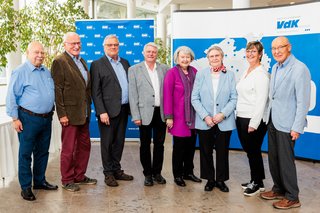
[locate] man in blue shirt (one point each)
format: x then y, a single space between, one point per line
30 102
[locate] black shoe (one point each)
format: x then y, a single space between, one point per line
28 195
210 185
252 189
46 186
148 181
192 177
222 186
159 179
245 185
260 184
179 181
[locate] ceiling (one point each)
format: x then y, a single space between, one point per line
164 5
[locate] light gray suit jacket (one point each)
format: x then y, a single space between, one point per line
202 99
289 99
141 92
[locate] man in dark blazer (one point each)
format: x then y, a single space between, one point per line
73 100
146 104
110 97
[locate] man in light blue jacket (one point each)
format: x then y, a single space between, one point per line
289 99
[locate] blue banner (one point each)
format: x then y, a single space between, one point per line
233 29
132 35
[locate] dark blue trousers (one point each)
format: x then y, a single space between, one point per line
34 139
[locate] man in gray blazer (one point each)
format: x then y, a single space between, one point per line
289 99
146 104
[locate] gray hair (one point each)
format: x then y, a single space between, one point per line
152 44
67 35
108 37
215 48
182 49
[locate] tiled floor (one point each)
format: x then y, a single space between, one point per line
134 197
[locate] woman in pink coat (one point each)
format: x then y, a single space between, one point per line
180 115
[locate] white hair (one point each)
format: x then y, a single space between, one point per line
152 44
67 35
108 37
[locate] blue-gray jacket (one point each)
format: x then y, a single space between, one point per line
290 99
203 99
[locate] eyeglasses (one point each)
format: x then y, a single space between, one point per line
73 43
251 51
110 45
280 48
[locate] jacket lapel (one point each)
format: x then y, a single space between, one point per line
75 67
208 80
145 73
109 67
280 80
272 89
86 68
160 75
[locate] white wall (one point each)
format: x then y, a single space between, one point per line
3 93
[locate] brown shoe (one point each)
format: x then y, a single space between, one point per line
72 187
120 175
271 195
286 204
87 181
111 181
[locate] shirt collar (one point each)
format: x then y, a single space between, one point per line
148 68
33 68
286 62
73 57
111 59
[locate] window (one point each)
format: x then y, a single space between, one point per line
109 10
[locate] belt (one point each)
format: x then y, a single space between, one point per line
44 115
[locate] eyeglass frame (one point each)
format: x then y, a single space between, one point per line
73 43
279 48
112 45
252 51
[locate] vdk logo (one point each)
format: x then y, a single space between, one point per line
288 24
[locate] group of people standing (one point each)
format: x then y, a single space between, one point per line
208 103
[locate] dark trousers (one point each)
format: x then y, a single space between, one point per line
75 152
281 163
112 141
251 144
157 129
182 155
211 139
34 139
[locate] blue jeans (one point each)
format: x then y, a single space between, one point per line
34 139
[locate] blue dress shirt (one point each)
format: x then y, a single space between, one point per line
122 78
31 88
